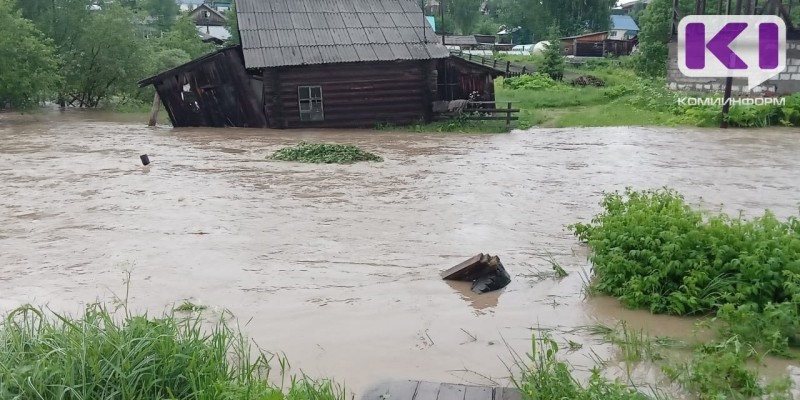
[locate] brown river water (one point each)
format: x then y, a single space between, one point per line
337 266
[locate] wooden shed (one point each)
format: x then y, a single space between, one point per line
459 78
320 63
213 90
586 45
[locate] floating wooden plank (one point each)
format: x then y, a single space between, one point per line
427 391
468 270
451 392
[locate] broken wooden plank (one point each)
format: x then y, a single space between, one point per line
402 390
427 391
468 270
478 393
451 392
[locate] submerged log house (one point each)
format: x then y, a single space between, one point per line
311 63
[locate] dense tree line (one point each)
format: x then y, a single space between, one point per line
74 54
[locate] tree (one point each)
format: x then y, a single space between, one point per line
165 12
464 13
572 16
28 68
233 25
107 59
553 63
184 36
655 24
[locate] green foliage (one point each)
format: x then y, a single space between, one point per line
321 153
104 59
536 81
98 356
718 370
464 13
28 67
183 36
650 249
544 377
573 16
165 12
233 25
651 61
553 63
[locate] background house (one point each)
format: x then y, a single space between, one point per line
211 23
623 27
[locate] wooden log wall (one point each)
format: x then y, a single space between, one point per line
353 94
219 94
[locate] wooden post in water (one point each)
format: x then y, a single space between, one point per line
154 110
726 105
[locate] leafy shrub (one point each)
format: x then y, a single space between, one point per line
322 153
650 249
535 81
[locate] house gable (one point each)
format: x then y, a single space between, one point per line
204 15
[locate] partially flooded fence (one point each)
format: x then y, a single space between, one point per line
490 111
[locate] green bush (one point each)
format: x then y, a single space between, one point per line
536 81
650 249
322 153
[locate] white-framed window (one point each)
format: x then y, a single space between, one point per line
310 102
612 34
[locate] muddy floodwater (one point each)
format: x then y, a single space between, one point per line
337 266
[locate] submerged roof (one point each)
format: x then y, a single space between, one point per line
278 33
625 22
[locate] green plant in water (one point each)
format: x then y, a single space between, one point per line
650 249
544 377
98 356
321 153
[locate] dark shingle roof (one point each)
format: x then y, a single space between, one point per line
459 40
296 32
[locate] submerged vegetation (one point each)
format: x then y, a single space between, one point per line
98 356
651 249
322 153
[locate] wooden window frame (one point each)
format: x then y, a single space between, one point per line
310 103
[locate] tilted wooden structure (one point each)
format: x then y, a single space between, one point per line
312 63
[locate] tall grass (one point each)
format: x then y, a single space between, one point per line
98 356
545 377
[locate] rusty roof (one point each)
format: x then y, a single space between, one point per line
277 33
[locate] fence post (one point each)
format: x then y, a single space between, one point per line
523 70
508 66
494 65
470 56
508 114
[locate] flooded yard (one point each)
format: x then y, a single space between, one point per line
337 266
